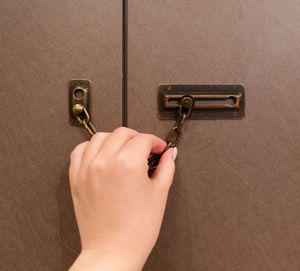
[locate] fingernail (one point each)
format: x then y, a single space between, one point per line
174 153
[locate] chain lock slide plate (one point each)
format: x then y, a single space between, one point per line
211 101
79 93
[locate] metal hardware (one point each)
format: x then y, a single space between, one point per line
211 101
185 108
83 118
203 97
79 98
220 101
79 94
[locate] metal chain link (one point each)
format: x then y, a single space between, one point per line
83 117
184 111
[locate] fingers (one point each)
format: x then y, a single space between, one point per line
76 158
136 146
117 139
142 145
93 148
164 173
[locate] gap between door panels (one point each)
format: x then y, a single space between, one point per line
124 61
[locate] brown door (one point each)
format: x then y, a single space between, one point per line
234 203
44 44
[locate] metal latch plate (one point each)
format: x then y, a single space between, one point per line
211 101
79 93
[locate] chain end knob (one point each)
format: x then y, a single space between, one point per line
77 109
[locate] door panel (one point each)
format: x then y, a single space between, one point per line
234 203
44 44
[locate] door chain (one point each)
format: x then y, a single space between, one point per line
83 117
184 111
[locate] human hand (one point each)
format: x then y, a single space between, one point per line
118 208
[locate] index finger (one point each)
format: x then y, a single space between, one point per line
142 145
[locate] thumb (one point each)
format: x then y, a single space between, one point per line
164 173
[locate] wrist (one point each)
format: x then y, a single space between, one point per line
92 259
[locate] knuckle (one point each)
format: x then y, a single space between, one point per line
98 136
124 131
142 137
125 163
120 159
150 139
128 165
147 137
97 166
120 130
77 151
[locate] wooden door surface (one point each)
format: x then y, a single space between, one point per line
234 203
44 44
